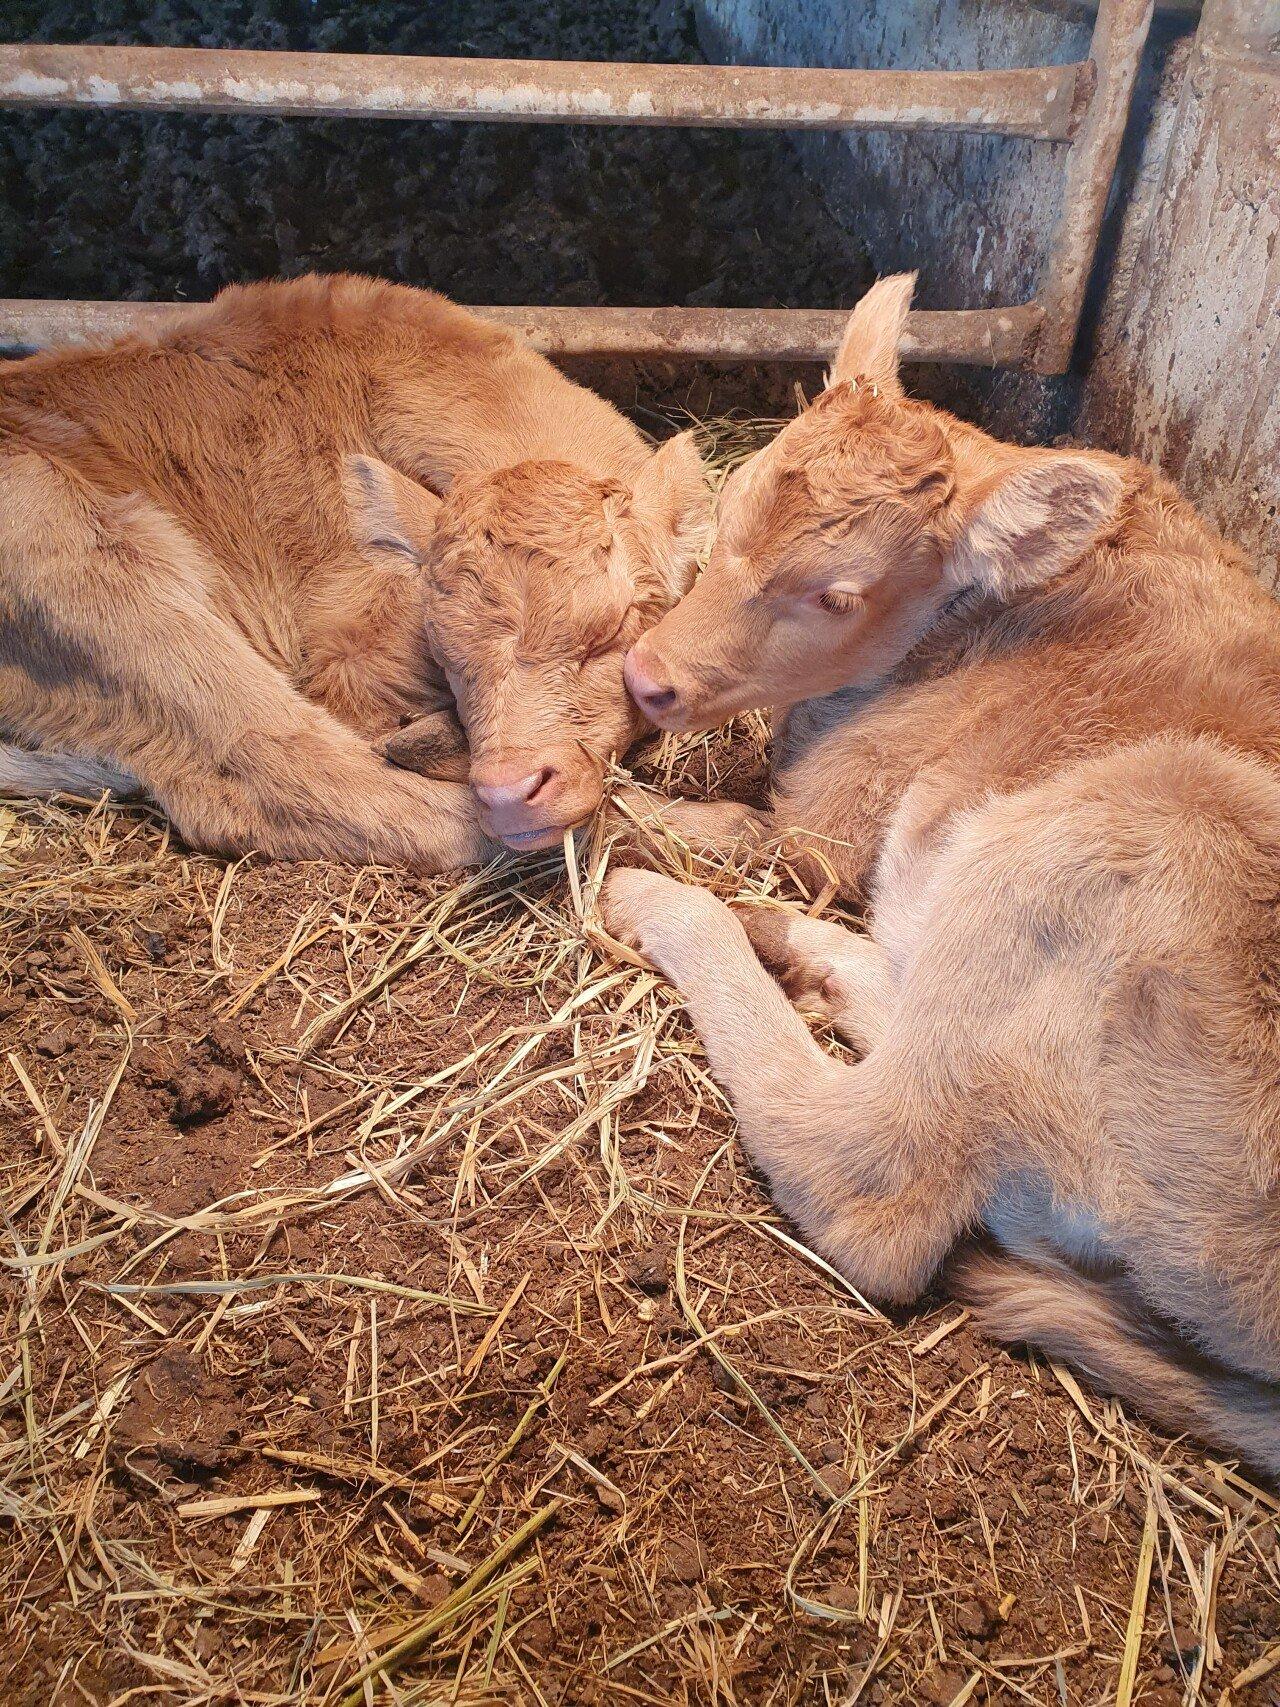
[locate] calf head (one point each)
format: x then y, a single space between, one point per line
841 540
537 577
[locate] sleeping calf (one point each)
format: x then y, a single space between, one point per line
235 554
1047 750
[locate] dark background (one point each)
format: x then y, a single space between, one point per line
102 204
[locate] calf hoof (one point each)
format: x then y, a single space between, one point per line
653 914
433 745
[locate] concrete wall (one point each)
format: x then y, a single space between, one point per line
972 212
1179 352
1184 366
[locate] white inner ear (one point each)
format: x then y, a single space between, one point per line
1037 522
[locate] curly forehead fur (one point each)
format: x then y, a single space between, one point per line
855 446
547 508
528 559
852 455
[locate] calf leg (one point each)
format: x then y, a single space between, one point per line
709 829
366 652
719 831
111 650
862 1157
842 975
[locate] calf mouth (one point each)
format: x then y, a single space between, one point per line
693 720
537 838
534 841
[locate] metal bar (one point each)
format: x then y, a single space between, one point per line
990 337
1035 101
1119 37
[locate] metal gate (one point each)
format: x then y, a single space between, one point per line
1080 108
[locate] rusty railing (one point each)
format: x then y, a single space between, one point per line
1080 107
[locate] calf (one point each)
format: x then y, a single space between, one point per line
235 554
1045 750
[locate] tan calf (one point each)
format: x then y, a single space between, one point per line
1048 758
233 555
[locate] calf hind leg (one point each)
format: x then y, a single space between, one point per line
114 652
646 826
841 975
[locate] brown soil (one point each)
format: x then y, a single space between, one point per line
315 1188
318 1191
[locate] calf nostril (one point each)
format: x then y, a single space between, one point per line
515 790
649 685
658 699
508 793
541 781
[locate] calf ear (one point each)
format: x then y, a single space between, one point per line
1026 526
389 512
672 498
869 348
433 745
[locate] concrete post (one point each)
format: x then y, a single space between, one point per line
1186 372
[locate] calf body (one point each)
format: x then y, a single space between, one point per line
1051 772
235 554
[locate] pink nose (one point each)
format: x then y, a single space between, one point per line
649 685
511 785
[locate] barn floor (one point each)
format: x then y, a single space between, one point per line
390 1317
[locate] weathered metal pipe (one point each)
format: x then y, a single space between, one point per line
1119 37
1036 101
991 337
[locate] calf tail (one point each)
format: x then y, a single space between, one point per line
1093 1325
26 775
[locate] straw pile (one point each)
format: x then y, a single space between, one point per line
389 1316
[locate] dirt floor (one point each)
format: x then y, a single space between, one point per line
391 1317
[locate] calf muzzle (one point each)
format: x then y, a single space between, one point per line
650 685
528 799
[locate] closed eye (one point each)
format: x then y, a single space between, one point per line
839 603
396 548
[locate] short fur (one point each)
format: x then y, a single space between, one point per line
1049 759
226 567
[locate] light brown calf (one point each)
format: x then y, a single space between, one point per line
226 568
1049 757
